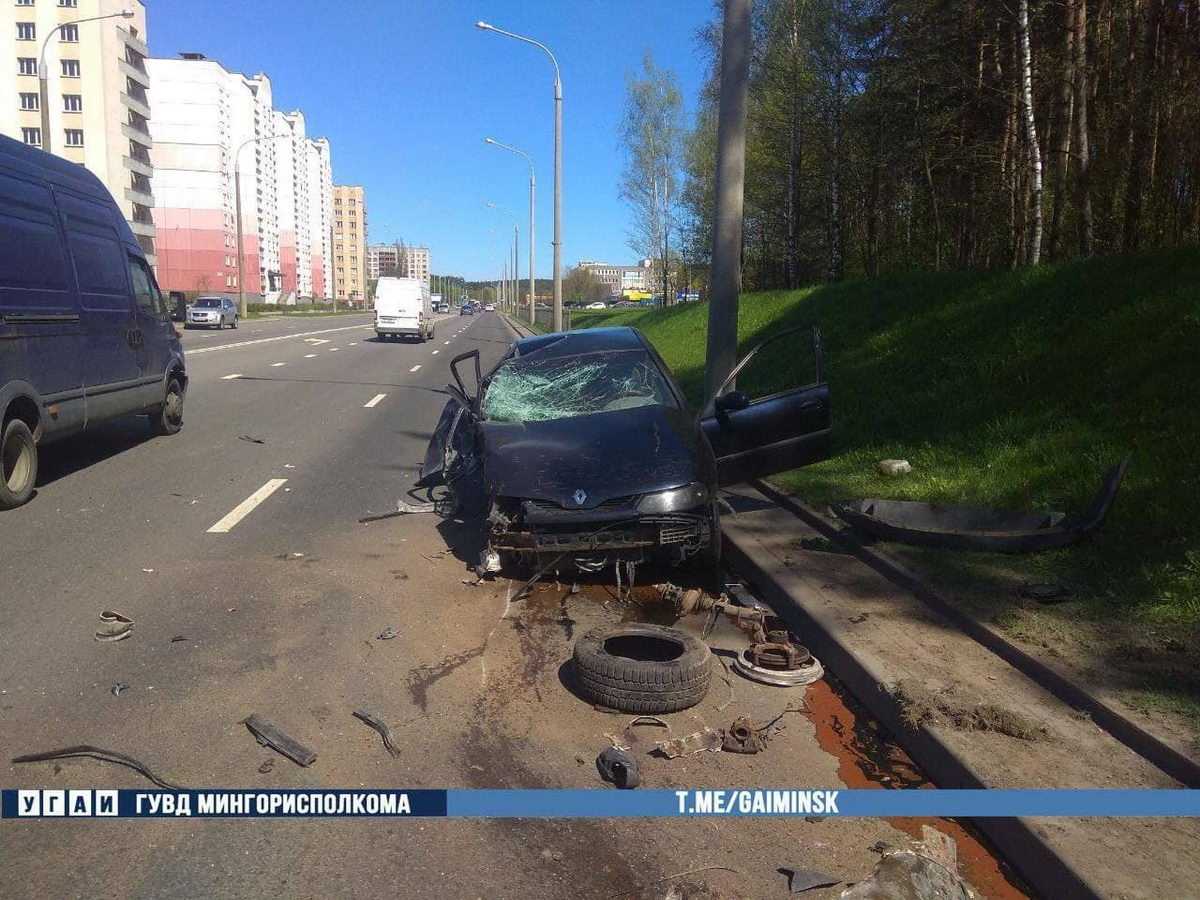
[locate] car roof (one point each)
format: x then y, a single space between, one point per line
588 340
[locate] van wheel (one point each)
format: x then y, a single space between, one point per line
18 464
235 322
169 417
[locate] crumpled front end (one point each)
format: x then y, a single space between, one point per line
538 532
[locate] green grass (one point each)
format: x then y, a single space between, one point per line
1009 388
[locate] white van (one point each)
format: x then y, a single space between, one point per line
403 309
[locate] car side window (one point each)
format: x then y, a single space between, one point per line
145 291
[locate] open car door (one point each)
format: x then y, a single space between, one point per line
452 446
780 431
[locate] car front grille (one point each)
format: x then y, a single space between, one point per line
614 503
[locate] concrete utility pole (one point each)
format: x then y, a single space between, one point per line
532 201
44 74
237 201
725 277
558 300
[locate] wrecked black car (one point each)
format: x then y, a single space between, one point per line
579 449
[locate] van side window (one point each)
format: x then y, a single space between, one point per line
145 291
99 256
33 266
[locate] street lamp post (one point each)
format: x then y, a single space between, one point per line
532 196
43 81
557 166
237 201
516 266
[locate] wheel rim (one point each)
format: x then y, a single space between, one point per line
173 408
16 464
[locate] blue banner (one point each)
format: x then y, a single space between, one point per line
598 803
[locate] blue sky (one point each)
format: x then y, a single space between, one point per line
406 91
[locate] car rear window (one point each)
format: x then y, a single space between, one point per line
529 389
208 303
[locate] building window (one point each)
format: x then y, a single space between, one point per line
26 65
24 2
74 137
70 68
69 34
29 101
32 136
26 31
71 3
72 103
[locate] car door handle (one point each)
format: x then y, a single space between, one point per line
810 405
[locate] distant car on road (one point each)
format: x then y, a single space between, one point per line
579 449
596 304
467 309
85 335
210 311
491 307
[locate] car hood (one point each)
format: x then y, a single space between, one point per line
606 455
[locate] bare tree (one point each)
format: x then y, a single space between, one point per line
1033 250
651 134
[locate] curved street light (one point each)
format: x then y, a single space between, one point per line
484 26
43 81
532 200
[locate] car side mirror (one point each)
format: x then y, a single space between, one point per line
731 402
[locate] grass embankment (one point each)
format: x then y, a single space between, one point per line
1016 389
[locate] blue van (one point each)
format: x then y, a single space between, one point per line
85 335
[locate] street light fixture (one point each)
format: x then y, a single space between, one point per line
532 196
484 26
237 200
516 278
43 83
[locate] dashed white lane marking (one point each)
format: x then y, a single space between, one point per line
334 349
316 341
354 343
310 355
231 377
247 506
370 404
276 365
414 368
281 337
436 352
445 343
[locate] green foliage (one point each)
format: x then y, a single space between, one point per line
1009 389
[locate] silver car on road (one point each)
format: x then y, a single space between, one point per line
209 311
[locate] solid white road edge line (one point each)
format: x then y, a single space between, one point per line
247 506
370 404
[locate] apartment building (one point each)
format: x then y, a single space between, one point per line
396 259
349 242
213 130
96 107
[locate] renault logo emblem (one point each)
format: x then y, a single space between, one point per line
579 497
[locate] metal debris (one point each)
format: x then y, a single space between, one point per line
741 737
696 742
807 879
648 720
113 626
116 689
250 440
766 663
267 766
387 634
270 736
384 732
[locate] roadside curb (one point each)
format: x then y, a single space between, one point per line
519 328
1171 761
1017 839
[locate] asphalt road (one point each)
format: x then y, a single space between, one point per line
276 609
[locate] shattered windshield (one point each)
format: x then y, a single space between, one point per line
565 387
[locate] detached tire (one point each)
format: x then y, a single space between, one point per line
18 464
642 668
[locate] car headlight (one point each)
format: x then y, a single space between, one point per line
677 500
